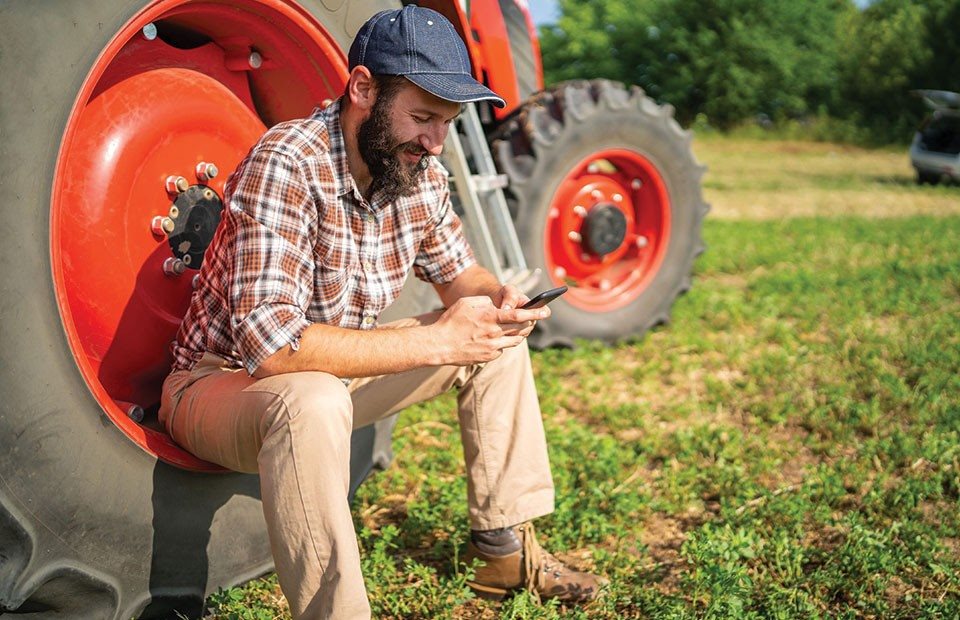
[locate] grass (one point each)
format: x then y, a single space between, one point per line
788 447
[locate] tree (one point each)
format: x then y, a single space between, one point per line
728 59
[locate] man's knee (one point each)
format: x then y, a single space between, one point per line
317 401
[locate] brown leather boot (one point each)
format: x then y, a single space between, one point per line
531 568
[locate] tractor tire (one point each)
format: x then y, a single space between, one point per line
92 525
584 147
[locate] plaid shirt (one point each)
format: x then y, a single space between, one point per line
299 244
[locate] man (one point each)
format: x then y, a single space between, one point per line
280 357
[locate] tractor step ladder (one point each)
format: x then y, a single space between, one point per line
480 190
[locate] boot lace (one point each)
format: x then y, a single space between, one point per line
534 578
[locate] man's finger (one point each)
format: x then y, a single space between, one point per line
522 316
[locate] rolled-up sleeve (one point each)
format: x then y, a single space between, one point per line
272 276
444 251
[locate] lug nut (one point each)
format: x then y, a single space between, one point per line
554 213
206 171
174 212
596 194
196 281
574 236
167 225
560 272
580 210
156 225
173 267
604 285
149 31
585 257
641 241
208 194
255 60
636 184
135 413
617 198
176 184
593 168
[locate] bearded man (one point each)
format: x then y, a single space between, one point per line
280 355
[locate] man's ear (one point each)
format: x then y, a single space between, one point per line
361 89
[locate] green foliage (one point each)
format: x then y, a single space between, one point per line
727 63
727 59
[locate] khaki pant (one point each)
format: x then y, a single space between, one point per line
294 430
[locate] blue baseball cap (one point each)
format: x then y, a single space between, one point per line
423 46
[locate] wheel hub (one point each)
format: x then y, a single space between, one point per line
196 215
604 229
608 229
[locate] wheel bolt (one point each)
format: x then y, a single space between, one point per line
641 241
173 267
196 281
206 171
636 184
149 31
156 225
255 60
593 168
617 198
168 225
574 236
135 413
208 194
596 194
176 184
580 210
560 272
187 259
174 212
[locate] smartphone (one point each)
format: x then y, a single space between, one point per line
544 298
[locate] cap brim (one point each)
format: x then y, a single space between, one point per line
457 87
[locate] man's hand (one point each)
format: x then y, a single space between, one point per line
509 297
473 330
513 320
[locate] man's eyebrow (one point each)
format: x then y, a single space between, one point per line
432 114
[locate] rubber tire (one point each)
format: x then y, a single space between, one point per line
91 526
928 178
540 144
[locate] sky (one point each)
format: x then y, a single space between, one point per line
544 11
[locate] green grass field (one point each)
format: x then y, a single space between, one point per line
788 447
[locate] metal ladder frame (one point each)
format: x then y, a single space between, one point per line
485 210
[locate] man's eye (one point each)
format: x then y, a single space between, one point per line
421 119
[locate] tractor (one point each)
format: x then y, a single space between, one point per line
120 121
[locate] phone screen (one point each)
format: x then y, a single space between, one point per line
544 298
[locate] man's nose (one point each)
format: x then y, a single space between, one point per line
432 139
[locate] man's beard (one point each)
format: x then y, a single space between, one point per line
382 154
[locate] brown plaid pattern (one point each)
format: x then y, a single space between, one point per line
298 244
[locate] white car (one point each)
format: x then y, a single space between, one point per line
935 152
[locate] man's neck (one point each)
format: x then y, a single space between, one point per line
350 125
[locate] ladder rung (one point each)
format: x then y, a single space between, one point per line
490 182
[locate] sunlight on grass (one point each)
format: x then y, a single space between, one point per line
765 179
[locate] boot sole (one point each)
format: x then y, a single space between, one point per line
490 593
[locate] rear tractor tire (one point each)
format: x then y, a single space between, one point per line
605 194
102 516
